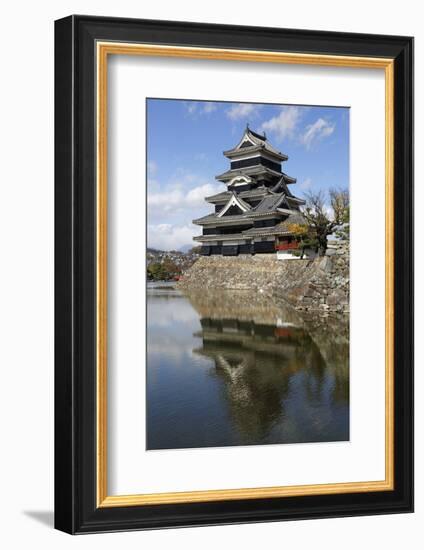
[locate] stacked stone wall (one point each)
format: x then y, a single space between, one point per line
320 284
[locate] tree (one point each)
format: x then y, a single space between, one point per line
171 268
323 221
156 271
305 236
163 271
195 250
341 203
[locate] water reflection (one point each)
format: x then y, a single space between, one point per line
243 370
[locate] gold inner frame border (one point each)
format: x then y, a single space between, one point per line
103 50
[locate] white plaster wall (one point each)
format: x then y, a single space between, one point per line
286 256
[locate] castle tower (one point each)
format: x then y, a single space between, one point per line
254 214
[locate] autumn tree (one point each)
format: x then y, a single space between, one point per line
163 271
171 268
305 237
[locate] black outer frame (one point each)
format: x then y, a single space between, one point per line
75 274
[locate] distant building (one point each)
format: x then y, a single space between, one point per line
255 212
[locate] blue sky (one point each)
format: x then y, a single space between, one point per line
185 141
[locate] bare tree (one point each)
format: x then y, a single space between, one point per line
322 220
339 200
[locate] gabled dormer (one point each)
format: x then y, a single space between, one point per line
235 206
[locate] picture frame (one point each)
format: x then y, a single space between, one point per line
83 45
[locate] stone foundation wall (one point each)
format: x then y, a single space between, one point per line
321 284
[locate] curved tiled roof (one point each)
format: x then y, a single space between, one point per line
269 205
265 231
258 142
281 228
256 135
250 171
214 218
229 237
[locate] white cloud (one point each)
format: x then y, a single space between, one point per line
242 110
329 211
165 201
166 236
197 108
209 107
176 198
284 124
317 131
172 205
191 108
196 196
305 185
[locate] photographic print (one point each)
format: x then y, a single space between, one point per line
247 274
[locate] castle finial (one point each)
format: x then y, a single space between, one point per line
247 126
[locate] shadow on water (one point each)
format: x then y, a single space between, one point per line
256 372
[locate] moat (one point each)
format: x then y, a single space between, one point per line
234 368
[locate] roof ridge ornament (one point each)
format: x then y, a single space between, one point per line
257 135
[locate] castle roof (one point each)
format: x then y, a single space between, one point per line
271 204
251 142
282 228
213 218
256 170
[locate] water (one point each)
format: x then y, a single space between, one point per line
232 368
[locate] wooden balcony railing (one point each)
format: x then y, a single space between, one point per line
287 246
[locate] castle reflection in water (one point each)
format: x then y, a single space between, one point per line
256 373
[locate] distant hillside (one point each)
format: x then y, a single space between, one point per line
186 248
163 265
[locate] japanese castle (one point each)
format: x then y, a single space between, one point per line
256 211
